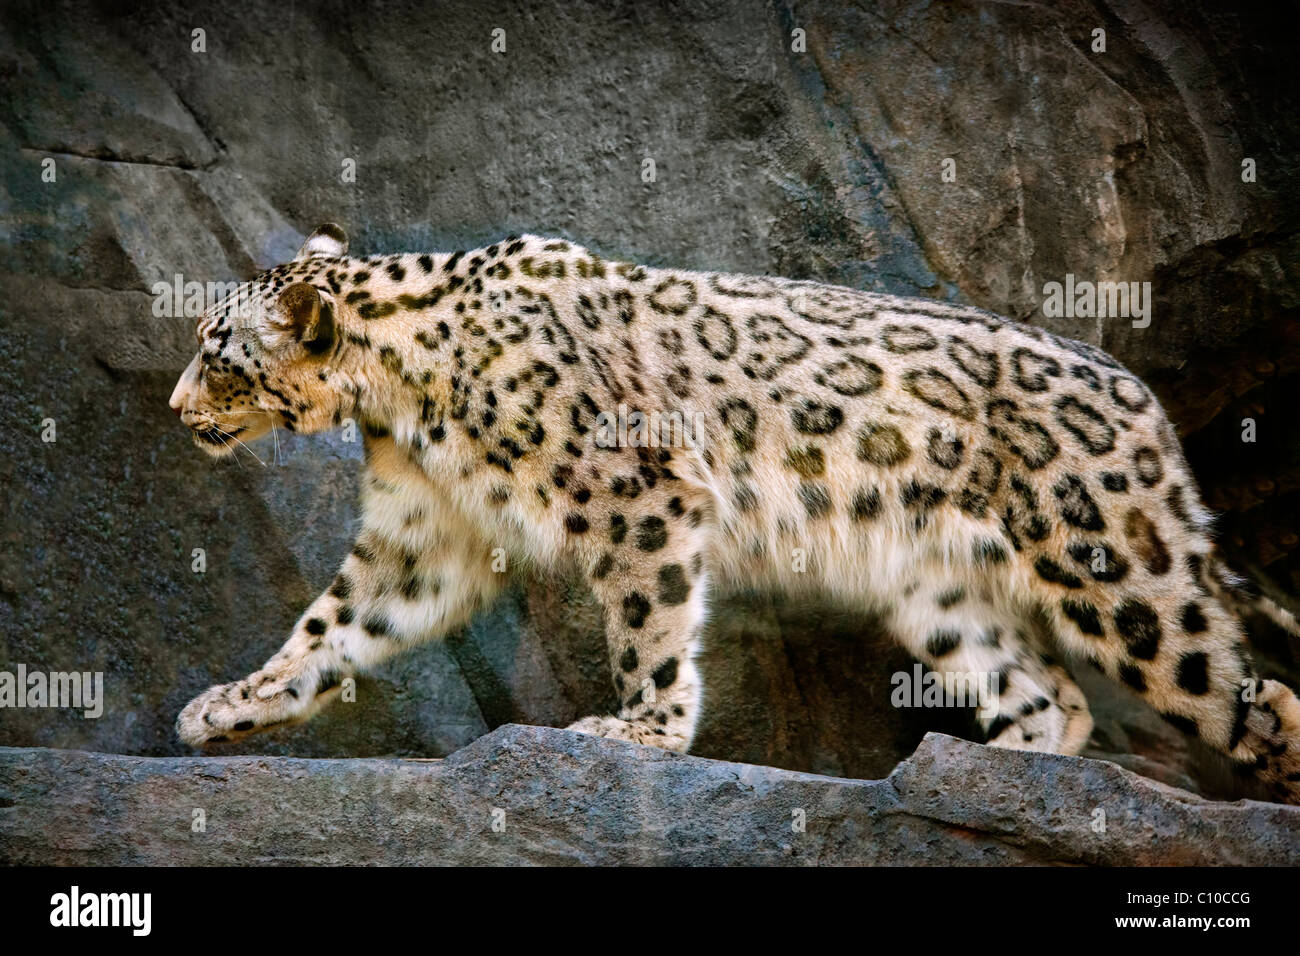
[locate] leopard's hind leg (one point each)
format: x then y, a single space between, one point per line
1177 644
649 575
959 630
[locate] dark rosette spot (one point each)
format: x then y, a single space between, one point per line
882 445
1139 625
816 418
1086 424
1031 371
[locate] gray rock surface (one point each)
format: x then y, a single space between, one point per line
818 164
531 795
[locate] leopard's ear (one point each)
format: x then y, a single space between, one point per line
306 315
327 240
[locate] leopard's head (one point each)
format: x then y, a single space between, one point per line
267 352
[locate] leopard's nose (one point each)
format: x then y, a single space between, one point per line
177 409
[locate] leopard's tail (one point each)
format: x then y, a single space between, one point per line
1243 596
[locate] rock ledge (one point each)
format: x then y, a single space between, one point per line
560 797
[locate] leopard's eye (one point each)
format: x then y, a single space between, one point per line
208 364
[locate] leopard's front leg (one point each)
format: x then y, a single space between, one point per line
417 570
290 688
343 631
648 573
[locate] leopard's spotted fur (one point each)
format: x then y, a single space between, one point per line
956 470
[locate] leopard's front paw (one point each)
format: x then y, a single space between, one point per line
596 726
652 735
233 711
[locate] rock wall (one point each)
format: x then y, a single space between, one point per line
804 140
